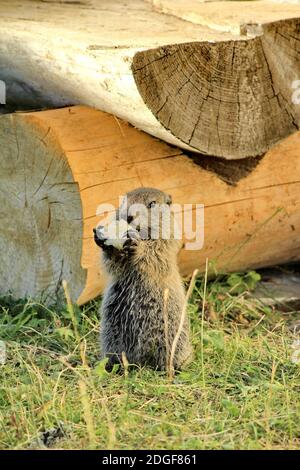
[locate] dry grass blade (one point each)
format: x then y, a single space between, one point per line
166 320
171 370
71 309
88 417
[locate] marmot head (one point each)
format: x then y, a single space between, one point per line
148 210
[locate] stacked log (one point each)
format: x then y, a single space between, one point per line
57 166
215 78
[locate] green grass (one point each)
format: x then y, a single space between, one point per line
240 392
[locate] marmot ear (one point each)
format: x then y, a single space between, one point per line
169 199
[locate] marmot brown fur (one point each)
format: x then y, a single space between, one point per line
133 310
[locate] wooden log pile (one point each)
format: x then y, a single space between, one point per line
216 80
57 166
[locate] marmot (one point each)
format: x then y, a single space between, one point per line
133 310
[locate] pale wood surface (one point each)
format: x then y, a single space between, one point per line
229 16
57 166
202 87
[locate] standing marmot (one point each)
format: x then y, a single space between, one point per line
133 312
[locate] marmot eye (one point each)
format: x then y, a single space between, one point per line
151 204
169 199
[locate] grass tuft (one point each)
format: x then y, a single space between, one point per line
240 392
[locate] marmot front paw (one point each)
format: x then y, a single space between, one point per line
131 242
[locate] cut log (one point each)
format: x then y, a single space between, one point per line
57 166
224 87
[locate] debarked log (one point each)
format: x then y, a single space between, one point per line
219 78
58 166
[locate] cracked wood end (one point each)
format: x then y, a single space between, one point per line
58 166
41 228
231 99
